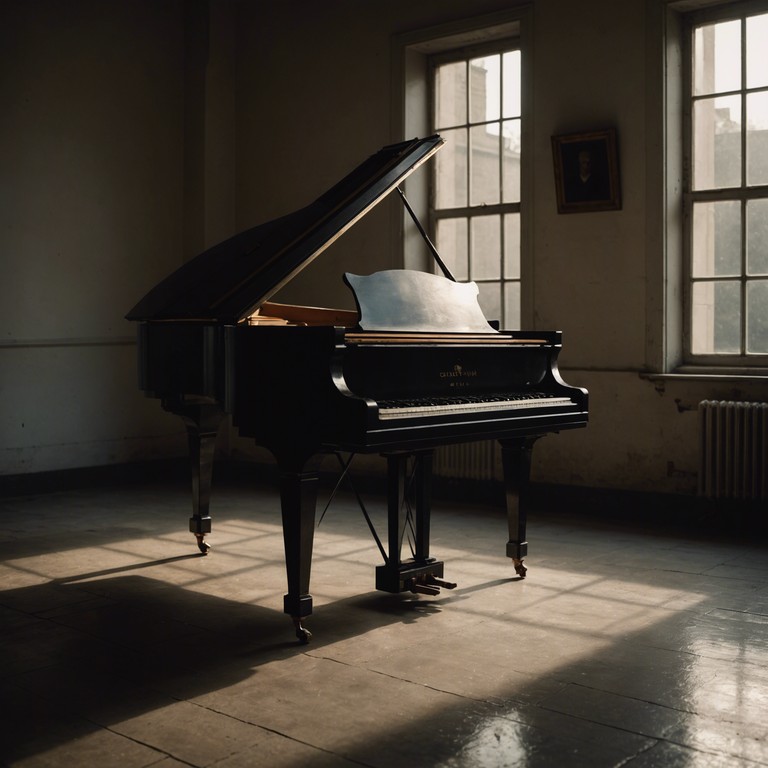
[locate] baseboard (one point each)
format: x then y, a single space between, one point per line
627 507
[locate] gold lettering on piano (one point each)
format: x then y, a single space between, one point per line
458 372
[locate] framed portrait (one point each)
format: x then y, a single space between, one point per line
587 171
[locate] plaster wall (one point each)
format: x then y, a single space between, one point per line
90 213
127 151
598 277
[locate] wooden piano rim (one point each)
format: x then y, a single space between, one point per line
420 337
271 313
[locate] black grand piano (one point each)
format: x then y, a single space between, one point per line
415 367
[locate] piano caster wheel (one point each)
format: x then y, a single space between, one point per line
303 635
520 569
202 544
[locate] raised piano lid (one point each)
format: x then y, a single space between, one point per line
229 281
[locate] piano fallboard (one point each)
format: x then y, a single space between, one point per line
331 391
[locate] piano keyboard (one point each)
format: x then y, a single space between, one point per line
398 409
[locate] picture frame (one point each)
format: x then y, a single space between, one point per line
587 171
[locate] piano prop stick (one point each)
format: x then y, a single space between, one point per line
415 367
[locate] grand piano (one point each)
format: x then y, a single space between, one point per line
416 366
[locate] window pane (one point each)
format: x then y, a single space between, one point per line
485 255
485 89
511 79
716 243
511 168
717 143
490 300
717 58
757 317
757 36
451 95
451 170
757 237
757 136
512 246
716 318
511 305
485 166
451 244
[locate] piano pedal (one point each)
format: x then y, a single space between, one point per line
441 583
202 544
422 577
420 588
428 584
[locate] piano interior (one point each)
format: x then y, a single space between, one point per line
272 313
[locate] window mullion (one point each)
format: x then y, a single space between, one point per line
743 291
468 161
743 205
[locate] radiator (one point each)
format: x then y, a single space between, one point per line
469 461
733 449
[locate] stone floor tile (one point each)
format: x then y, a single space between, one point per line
624 646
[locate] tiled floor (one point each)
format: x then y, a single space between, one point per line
122 646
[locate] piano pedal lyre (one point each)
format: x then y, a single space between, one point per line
422 577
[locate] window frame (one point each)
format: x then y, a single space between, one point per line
411 116
742 362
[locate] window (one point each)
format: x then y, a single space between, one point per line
475 211
726 186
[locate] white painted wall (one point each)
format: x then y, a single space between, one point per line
100 196
90 213
316 83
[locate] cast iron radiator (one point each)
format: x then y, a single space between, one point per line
733 449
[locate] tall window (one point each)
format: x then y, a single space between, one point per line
726 201
476 107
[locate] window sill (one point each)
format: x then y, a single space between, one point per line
707 373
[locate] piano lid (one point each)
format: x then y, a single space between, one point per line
228 281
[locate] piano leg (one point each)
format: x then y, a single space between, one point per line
421 574
202 421
298 497
516 462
